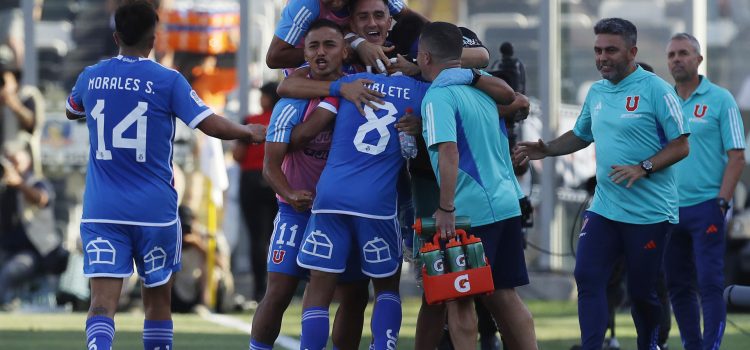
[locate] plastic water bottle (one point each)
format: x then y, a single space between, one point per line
474 252
454 253
408 142
432 257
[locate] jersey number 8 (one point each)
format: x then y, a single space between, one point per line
378 124
138 143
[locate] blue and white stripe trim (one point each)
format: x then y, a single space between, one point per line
429 124
389 297
298 24
675 111
100 328
314 313
280 127
395 6
735 125
158 334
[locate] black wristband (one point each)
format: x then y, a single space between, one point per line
445 210
476 75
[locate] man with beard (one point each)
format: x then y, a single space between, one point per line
636 121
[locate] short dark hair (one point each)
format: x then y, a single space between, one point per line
405 35
647 67
269 89
134 20
353 4
324 23
443 40
618 26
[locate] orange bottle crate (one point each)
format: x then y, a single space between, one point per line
455 285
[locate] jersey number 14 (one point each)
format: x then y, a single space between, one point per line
118 141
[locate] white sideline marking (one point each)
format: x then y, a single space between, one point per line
235 323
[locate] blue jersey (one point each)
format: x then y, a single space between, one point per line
365 158
716 127
630 122
131 105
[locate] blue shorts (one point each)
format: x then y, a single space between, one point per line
503 247
111 250
288 229
333 239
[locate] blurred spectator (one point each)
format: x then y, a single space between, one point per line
189 288
510 69
21 108
190 281
11 28
257 199
29 244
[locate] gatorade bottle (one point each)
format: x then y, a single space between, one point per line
432 257
426 228
455 254
474 252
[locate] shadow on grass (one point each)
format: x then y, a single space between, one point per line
61 340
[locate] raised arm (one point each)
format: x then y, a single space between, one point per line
567 143
283 55
475 57
498 89
225 129
356 91
520 106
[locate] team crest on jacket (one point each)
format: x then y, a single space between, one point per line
700 110
278 256
632 103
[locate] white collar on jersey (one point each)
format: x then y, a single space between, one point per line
128 58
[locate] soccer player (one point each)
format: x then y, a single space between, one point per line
639 131
130 205
286 50
460 122
292 170
706 180
352 219
359 220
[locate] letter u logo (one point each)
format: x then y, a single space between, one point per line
702 111
278 256
632 103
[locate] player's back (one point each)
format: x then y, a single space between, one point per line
131 105
365 157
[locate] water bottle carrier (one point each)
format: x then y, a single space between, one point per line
455 285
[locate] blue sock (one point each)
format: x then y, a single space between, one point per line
386 320
157 335
100 331
256 345
314 328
